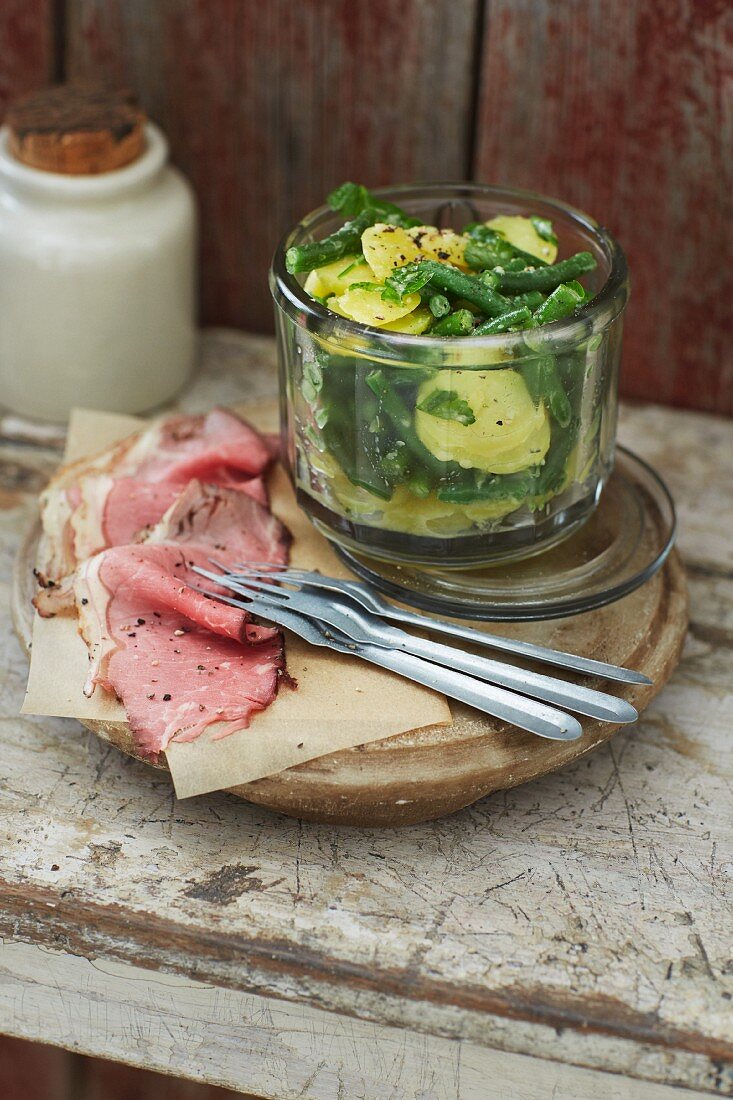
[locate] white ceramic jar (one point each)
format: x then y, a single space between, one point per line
97 287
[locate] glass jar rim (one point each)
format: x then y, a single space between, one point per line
595 316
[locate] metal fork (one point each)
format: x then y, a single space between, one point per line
365 596
364 628
527 714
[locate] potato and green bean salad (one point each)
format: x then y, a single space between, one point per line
429 451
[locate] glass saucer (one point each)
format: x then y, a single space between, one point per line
622 545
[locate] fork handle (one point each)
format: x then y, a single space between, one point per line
528 714
558 693
529 650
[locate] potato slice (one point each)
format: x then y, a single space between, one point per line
336 277
508 433
333 304
413 324
431 516
425 516
364 304
387 247
522 234
444 245
531 452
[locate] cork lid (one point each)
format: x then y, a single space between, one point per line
77 129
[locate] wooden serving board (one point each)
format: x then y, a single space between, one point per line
437 770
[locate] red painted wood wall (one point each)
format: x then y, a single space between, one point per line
624 109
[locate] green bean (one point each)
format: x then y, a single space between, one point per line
337 445
419 484
532 300
346 240
557 399
496 487
579 289
532 374
394 463
340 369
543 382
452 281
490 279
368 470
411 375
398 413
438 305
349 432
504 322
429 276
408 375
373 483
552 473
571 370
561 303
548 277
513 263
458 323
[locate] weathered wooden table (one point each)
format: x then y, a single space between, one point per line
572 937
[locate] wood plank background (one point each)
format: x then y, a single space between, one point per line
28 47
625 109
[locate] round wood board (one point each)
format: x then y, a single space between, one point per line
437 770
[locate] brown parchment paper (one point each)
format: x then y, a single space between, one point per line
340 701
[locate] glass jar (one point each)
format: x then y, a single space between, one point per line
380 476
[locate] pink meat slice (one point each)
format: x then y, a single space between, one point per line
232 526
178 660
130 506
106 512
218 447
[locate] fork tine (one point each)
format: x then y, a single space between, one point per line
251 584
310 629
220 596
216 577
264 566
227 580
295 578
253 605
